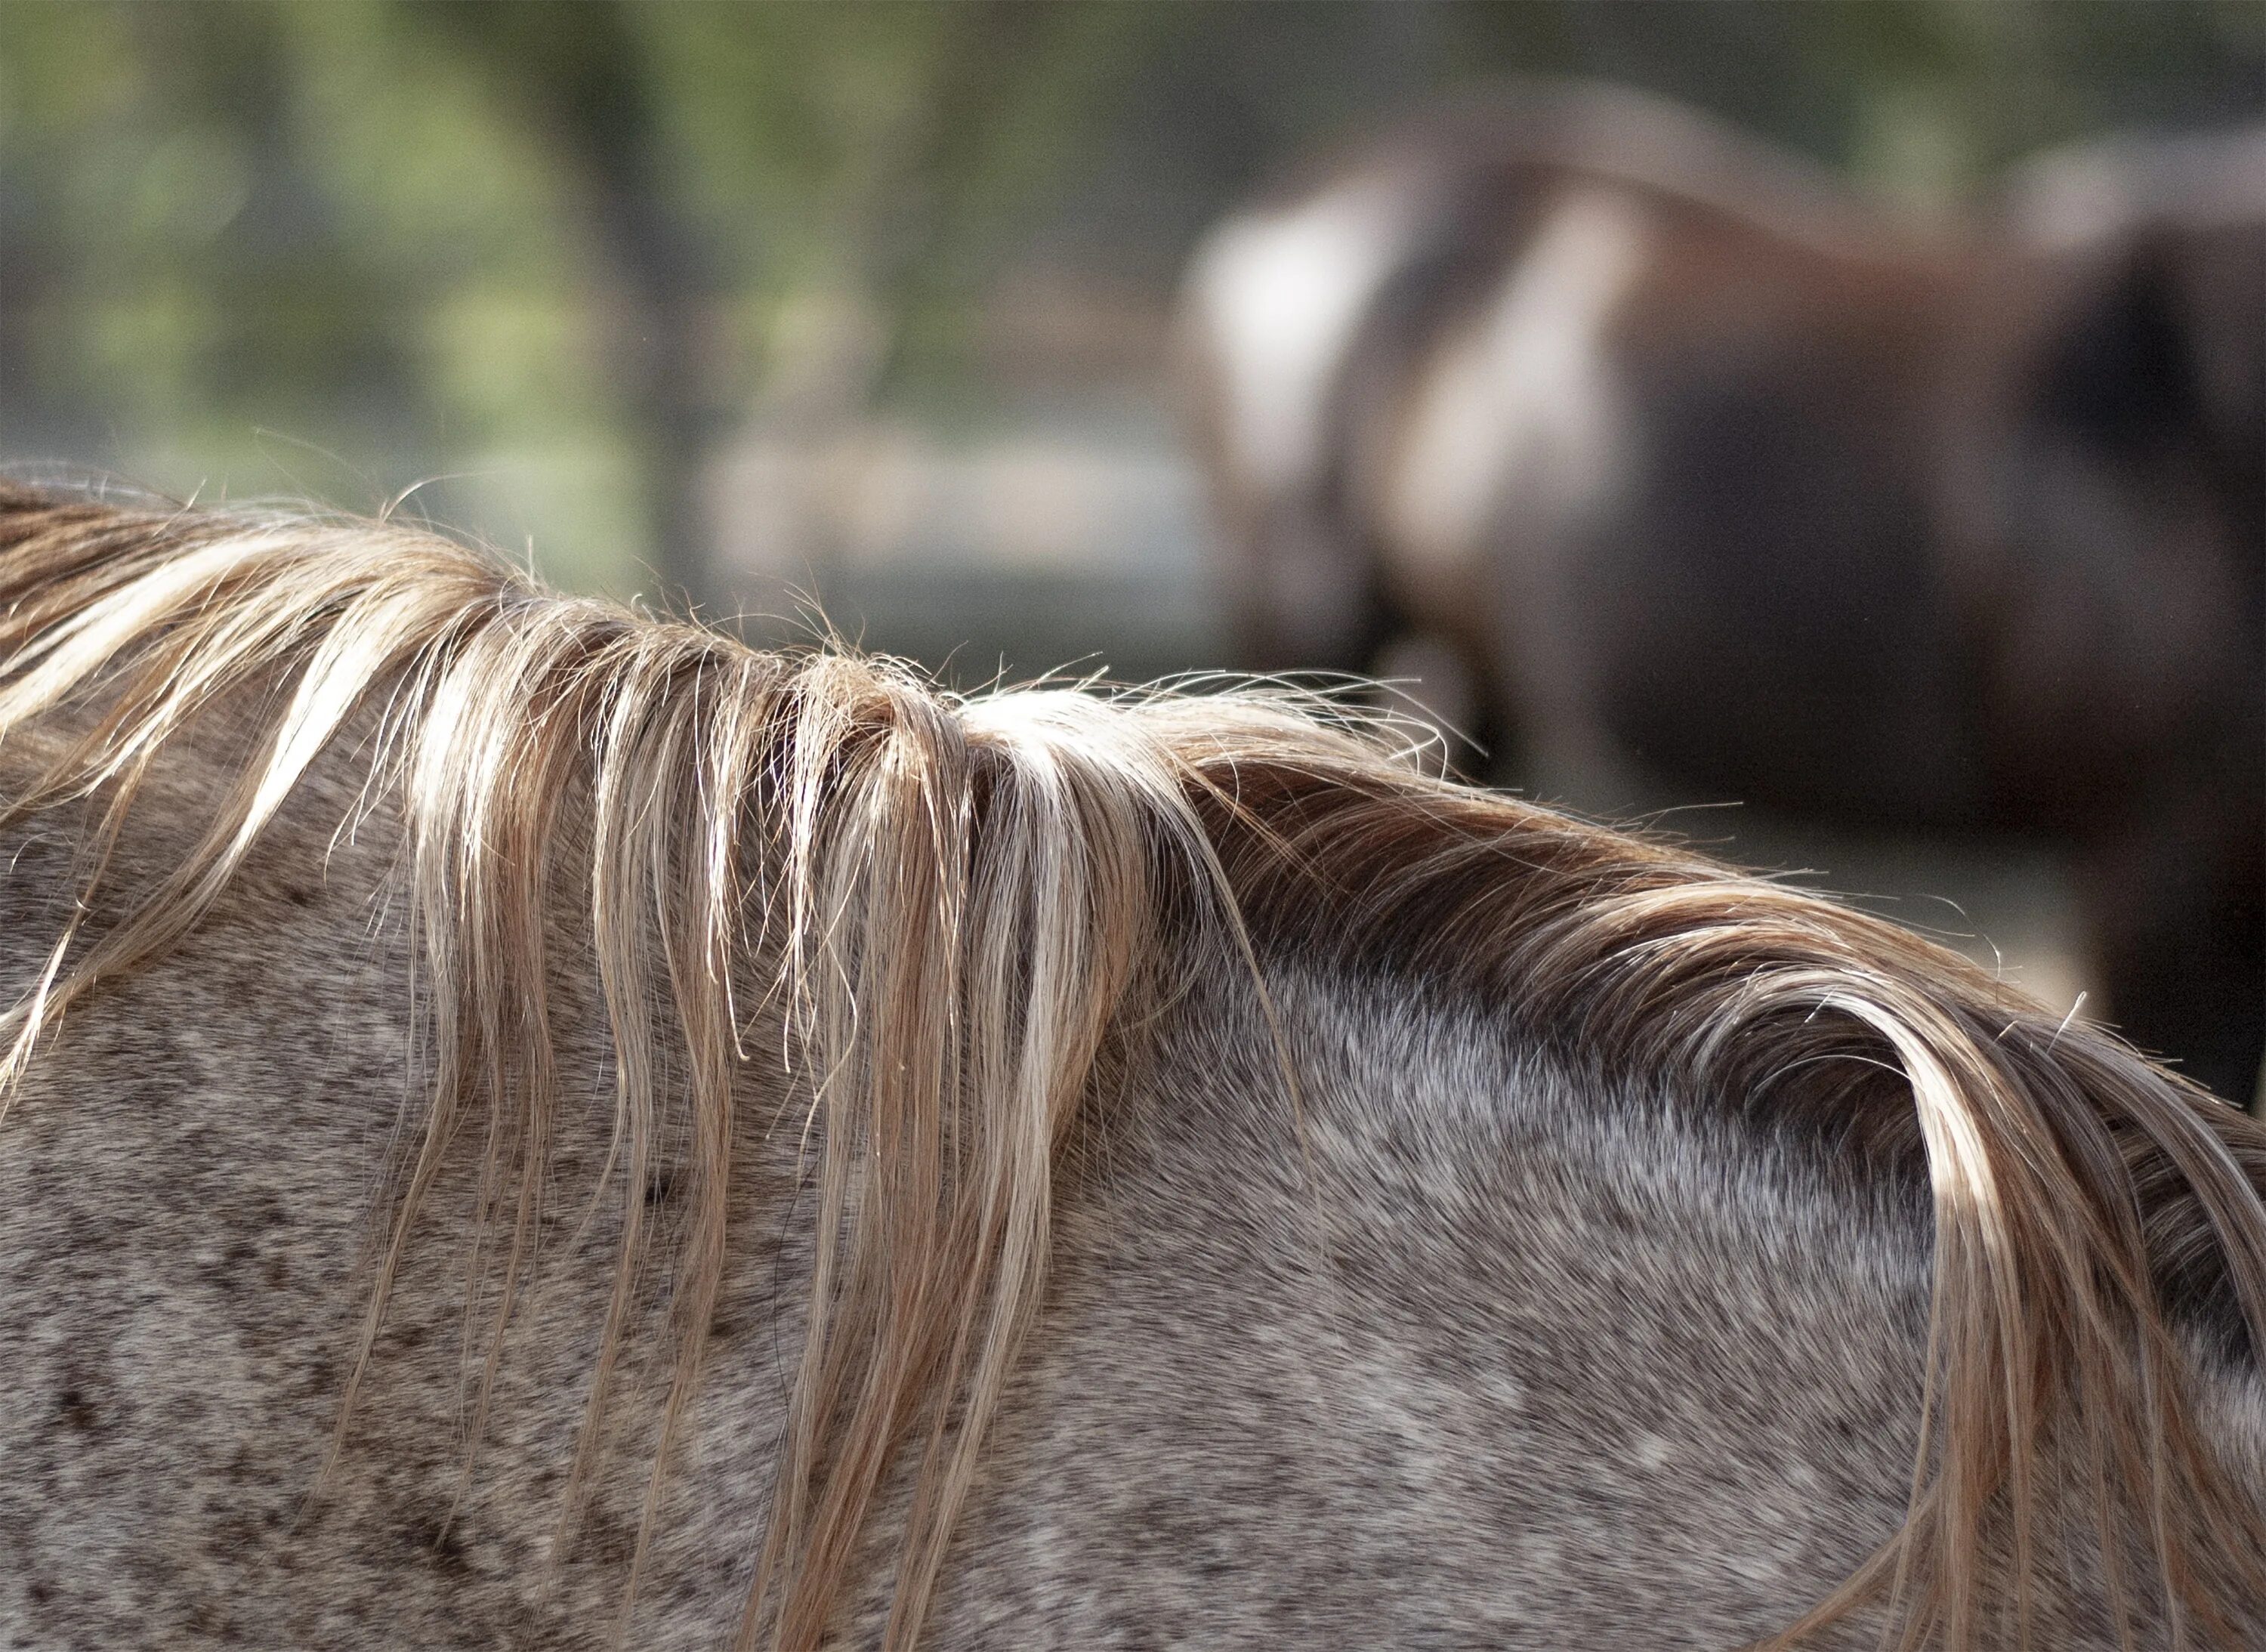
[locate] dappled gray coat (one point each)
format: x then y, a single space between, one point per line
1034 1172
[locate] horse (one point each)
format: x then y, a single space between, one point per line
1711 481
530 1123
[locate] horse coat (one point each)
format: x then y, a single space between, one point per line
529 1125
1698 465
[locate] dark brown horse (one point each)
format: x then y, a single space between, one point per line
1698 463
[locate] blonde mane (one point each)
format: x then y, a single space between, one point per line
961 902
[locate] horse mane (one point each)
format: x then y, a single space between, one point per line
961 902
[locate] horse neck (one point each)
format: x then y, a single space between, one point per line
1561 1357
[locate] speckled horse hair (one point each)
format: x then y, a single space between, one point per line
951 943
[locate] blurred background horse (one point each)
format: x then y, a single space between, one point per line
1716 481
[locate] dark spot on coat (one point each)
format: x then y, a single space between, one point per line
77 1412
433 1536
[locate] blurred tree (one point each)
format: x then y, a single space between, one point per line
580 77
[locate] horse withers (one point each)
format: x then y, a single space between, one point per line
527 1124
1698 465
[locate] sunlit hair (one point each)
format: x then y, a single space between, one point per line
962 902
